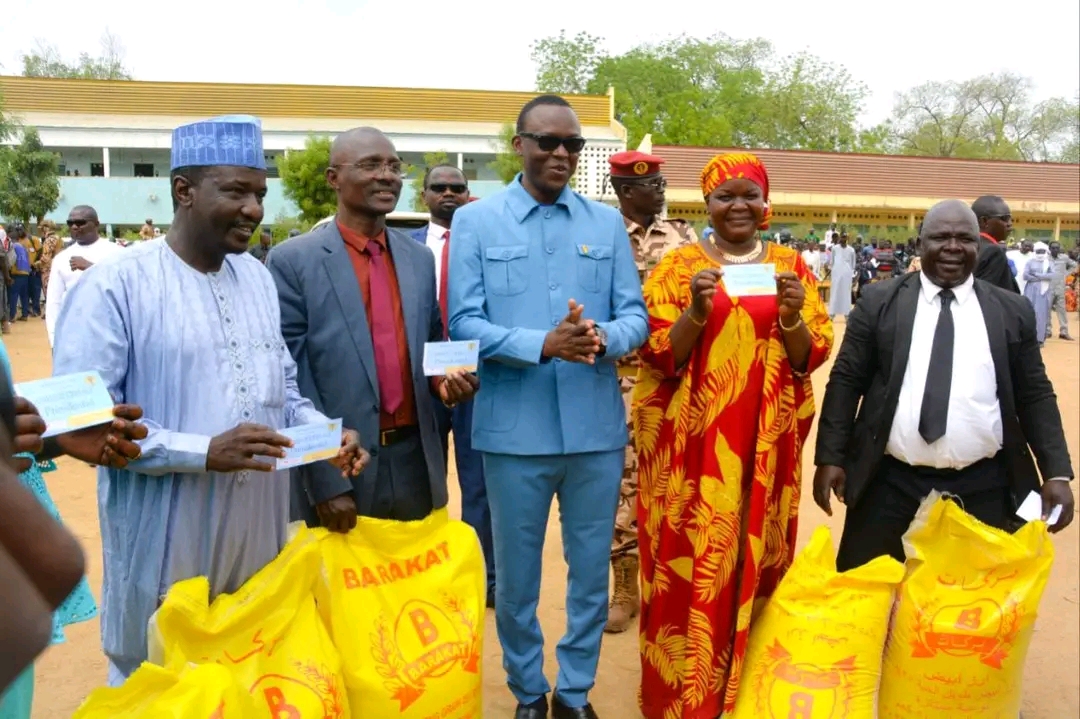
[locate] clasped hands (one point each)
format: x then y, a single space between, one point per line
574 339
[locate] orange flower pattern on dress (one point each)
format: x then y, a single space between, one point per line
719 448
734 166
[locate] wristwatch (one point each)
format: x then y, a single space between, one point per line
602 336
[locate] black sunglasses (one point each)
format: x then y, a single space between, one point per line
440 187
550 143
76 223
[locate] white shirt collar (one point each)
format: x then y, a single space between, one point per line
963 291
435 232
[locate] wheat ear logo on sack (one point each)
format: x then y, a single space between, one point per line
424 642
802 691
982 628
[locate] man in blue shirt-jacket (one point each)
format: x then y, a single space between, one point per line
545 280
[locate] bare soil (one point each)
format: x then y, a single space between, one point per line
67 673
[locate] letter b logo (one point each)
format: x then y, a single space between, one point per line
800 706
425 630
279 708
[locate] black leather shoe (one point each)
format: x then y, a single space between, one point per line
561 711
537 710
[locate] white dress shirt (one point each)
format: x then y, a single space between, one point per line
812 258
974 430
62 278
435 240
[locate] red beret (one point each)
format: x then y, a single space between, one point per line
632 163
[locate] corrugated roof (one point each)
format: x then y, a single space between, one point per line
892 175
196 99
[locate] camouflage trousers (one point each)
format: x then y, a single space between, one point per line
625 541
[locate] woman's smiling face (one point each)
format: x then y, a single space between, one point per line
737 208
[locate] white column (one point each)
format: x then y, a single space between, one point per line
105 161
461 161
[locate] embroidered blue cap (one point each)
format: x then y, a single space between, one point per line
226 140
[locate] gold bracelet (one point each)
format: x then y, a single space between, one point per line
793 327
691 316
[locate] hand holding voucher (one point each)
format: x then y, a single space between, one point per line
702 290
235 450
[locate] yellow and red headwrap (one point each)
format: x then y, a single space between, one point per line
735 165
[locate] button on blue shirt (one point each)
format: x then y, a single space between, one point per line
514 266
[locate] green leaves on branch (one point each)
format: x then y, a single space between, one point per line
507 163
303 179
986 117
720 91
29 179
717 91
45 61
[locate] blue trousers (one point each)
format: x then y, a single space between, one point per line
19 293
520 490
470 471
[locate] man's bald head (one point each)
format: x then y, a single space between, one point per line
352 144
953 210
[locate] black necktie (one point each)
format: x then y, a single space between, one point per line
934 417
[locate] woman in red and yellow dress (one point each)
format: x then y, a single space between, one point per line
722 406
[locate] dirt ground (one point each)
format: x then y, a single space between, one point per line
1052 686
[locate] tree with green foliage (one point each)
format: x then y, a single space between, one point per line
507 163
986 117
29 179
714 91
430 160
566 65
45 60
303 178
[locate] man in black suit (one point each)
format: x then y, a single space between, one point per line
945 375
995 226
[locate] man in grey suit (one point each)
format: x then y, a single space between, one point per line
358 304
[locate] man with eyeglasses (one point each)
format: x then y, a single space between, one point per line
995 226
358 304
87 249
545 280
640 189
445 190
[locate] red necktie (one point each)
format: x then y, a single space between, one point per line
444 270
384 332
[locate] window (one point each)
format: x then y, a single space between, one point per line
97 169
143 169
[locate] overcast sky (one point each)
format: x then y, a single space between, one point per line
484 44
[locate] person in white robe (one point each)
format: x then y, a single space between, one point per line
1020 258
842 272
188 327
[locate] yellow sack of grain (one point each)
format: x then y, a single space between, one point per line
194 692
405 604
268 634
964 618
815 649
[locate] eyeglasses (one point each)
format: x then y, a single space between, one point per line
658 184
440 187
374 167
550 143
77 223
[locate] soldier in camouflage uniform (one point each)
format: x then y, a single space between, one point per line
639 187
